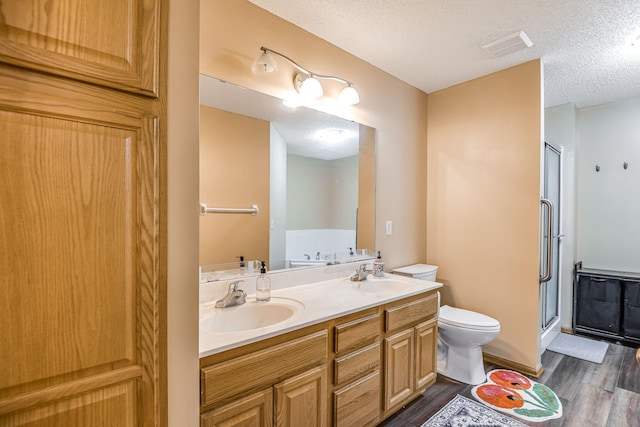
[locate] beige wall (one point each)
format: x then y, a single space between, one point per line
365 236
232 32
182 215
234 173
483 202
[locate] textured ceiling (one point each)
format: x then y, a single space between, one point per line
434 44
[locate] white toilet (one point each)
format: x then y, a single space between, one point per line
461 334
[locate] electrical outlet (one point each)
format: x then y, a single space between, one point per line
389 228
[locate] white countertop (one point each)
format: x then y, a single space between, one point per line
321 301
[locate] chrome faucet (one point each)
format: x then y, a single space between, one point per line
360 274
235 296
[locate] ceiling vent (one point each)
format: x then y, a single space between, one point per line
508 44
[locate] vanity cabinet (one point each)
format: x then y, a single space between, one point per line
355 370
410 350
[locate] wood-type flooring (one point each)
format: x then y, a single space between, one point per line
592 395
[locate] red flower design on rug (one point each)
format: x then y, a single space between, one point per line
499 396
509 379
513 393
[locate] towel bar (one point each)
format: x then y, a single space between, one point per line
253 210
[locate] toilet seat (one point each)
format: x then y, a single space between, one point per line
465 319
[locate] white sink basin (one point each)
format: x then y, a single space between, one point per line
381 285
251 315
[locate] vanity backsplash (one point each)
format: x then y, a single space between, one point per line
280 279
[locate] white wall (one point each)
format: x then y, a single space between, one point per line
560 130
312 196
608 202
277 200
344 192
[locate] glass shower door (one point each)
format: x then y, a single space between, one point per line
550 288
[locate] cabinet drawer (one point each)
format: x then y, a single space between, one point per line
353 365
262 368
359 403
408 314
356 333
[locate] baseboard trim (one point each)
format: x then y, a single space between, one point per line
509 364
566 330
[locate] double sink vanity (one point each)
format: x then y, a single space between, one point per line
329 353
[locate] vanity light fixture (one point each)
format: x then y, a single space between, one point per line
306 82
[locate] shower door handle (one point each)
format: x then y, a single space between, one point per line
548 273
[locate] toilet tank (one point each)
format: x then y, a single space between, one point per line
419 271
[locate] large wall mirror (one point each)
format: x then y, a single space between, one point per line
310 174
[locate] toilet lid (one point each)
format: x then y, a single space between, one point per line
466 319
416 269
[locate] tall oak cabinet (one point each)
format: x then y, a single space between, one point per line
82 212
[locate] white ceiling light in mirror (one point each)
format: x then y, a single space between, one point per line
300 128
307 83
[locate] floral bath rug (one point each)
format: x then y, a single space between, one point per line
517 395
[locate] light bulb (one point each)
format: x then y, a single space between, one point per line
311 88
349 96
265 64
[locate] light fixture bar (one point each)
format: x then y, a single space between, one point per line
308 87
304 70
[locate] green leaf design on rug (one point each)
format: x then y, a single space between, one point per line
547 396
533 413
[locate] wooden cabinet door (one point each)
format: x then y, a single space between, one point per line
426 353
82 307
302 400
358 404
113 43
399 365
255 410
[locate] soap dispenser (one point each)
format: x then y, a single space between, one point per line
378 266
263 285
